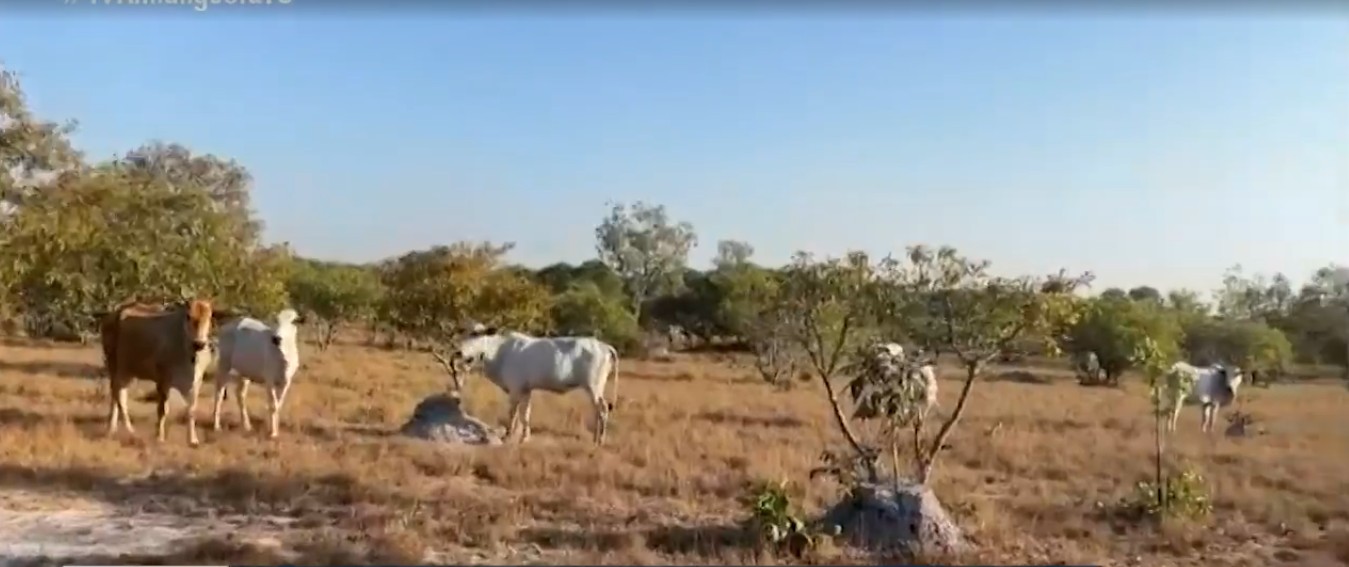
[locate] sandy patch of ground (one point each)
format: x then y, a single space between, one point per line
35 525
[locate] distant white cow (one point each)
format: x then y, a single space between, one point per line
1212 387
257 351
1088 366
519 364
893 350
889 360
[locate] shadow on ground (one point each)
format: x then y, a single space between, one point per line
21 418
231 490
60 368
1021 377
673 539
720 417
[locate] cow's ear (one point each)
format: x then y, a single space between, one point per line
490 331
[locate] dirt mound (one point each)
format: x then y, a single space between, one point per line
907 519
441 418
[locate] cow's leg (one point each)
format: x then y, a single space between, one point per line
513 412
241 391
121 407
524 416
1175 415
191 418
1207 425
162 407
222 383
601 417
274 399
113 389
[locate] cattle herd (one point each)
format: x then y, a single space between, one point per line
171 346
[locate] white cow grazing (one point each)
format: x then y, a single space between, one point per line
519 364
257 351
1212 387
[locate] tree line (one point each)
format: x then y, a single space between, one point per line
161 222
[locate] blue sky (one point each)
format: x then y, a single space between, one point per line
1149 148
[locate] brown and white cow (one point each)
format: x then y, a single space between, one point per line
165 345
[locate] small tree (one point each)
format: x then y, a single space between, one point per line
827 310
335 294
646 249
433 294
1114 329
952 304
1165 495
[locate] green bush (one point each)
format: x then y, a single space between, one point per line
584 309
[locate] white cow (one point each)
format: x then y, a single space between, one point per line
893 350
914 369
257 351
1212 387
519 364
1088 366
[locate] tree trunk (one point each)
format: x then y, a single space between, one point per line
1157 442
929 460
842 421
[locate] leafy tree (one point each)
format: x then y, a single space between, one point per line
1326 298
952 304
1253 298
747 292
732 254
585 309
562 276
72 254
1145 293
177 167
751 309
335 294
695 308
646 249
433 294
1114 293
1115 329
31 149
1186 303
1252 345
827 310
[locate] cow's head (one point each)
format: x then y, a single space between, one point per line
286 320
197 324
892 350
479 344
1228 378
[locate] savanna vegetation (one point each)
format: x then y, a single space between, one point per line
700 445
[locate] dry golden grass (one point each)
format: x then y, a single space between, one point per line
1027 466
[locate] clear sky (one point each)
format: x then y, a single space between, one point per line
1149 148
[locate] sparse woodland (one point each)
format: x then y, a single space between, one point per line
163 221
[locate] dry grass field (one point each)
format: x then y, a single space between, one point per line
1027 468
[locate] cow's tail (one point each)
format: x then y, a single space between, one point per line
613 376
